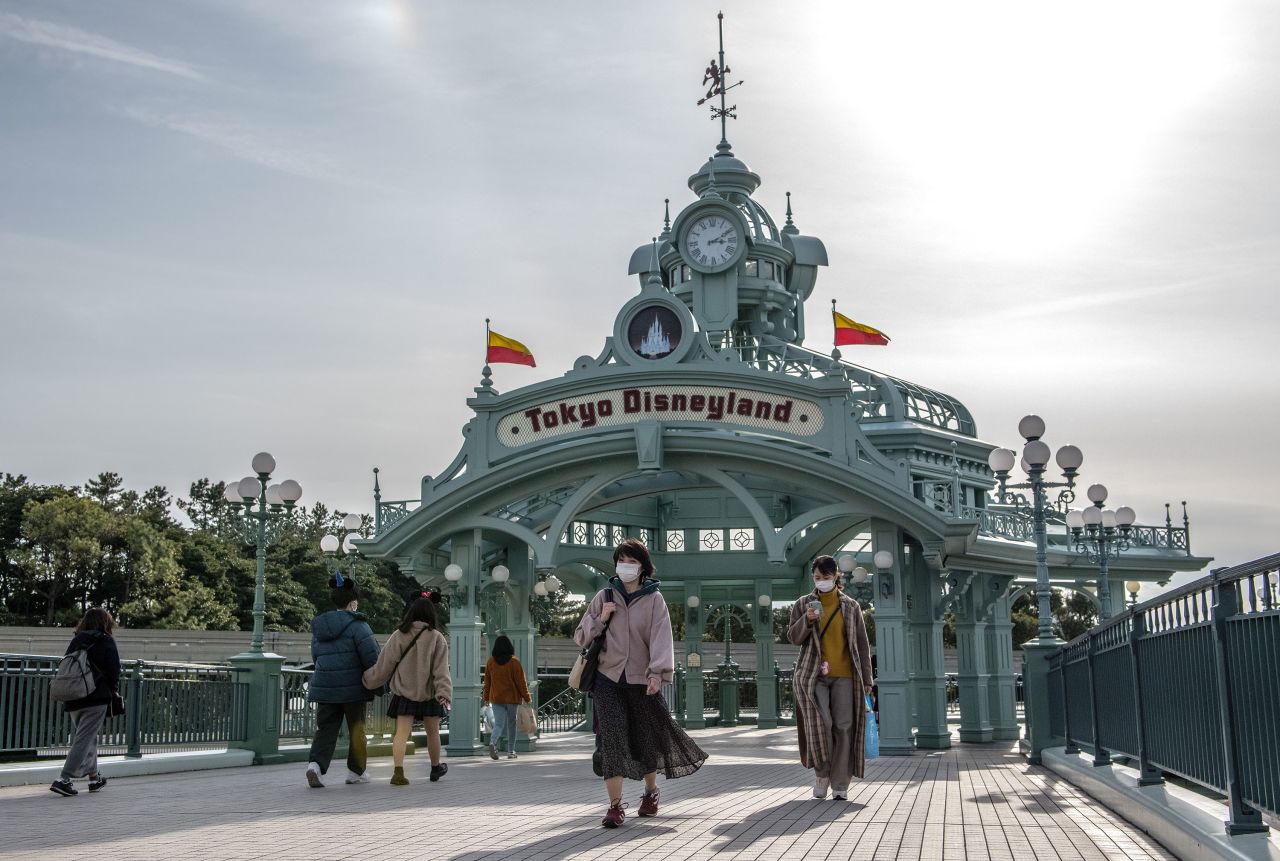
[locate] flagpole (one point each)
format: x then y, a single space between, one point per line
835 348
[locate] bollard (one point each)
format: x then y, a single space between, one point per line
133 713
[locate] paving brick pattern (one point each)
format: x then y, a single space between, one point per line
752 800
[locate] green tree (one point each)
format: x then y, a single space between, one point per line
61 553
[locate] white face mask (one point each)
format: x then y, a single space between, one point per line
825 585
627 571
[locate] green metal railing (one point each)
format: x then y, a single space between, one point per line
1185 684
169 707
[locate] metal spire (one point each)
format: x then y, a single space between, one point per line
666 220
715 75
790 226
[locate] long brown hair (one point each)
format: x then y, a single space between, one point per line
421 610
96 619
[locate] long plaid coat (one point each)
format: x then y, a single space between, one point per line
815 736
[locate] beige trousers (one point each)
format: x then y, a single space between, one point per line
835 704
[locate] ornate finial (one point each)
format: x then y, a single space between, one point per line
655 271
486 378
1186 522
716 75
710 190
1168 521
790 226
666 219
377 489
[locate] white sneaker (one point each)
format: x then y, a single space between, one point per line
820 786
313 776
352 777
840 795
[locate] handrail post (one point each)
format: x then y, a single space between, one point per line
1148 775
1100 754
1071 746
133 713
1243 819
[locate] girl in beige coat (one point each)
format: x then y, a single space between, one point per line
415 661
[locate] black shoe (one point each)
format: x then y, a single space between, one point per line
439 771
63 787
97 782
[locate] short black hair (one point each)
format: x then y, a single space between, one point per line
344 594
635 548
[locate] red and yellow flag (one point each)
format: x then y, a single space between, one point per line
852 332
509 350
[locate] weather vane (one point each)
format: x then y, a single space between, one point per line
717 75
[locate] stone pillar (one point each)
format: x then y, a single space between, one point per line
1035 681
891 645
971 647
1001 688
766 680
929 678
465 654
519 625
261 671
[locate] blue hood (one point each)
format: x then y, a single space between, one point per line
330 626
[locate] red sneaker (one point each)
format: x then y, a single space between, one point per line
613 816
649 804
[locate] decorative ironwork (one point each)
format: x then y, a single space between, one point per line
742 539
675 540
711 539
391 513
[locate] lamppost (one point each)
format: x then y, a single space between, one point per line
262 511
1035 457
1132 587
329 545
856 578
1101 535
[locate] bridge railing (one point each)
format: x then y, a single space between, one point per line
1185 684
168 707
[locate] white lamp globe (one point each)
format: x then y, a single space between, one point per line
1109 519
692 602
860 575
351 522
1032 427
1097 493
290 491
263 462
765 600
883 560
1069 458
329 544
249 488
846 562
273 495
553 584
1036 453
540 589
1001 459
453 572
232 491
1092 515
500 573
1075 520
1132 586
1125 516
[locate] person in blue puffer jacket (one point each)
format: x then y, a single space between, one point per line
342 647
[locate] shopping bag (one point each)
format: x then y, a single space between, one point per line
872 734
487 719
527 719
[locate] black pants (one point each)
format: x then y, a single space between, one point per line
328 721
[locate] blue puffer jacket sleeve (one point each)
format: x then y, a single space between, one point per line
343 647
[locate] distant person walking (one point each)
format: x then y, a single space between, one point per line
637 736
504 688
342 647
93 633
415 663
832 675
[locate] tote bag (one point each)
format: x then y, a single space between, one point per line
527 719
583 675
872 747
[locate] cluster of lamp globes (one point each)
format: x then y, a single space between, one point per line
329 544
1035 454
248 490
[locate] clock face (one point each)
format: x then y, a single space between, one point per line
712 241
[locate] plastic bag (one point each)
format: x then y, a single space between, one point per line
872 734
487 719
527 719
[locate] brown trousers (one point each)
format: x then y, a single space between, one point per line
835 704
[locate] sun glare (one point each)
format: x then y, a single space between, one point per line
1022 126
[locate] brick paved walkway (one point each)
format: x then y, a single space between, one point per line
750 801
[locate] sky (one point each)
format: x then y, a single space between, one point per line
247 225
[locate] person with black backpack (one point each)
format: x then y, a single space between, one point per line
93 637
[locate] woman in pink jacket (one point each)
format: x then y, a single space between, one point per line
638 738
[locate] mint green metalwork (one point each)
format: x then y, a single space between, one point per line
1186 683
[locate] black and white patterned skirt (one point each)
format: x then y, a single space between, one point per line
638 734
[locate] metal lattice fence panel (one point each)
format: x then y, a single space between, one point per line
1182 719
1253 656
1113 679
1079 698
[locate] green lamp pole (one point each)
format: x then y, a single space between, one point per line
1035 458
1101 536
260 511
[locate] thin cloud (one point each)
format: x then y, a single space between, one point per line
244 143
50 35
